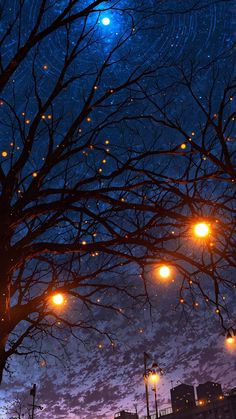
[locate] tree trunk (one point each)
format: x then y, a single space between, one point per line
3 360
4 323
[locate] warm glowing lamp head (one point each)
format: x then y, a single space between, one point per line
164 271
106 21
153 377
201 230
58 299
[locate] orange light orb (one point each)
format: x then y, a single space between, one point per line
58 299
201 230
230 340
164 271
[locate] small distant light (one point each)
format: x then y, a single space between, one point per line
4 153
106 21
183 146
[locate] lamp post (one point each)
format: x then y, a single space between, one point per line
145 375
155 398
152 376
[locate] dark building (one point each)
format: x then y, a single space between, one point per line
209 391
182 398
126 415
223 408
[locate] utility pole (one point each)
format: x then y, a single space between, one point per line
33 405
33 393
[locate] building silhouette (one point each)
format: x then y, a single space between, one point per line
182 398
223 408
212 403
126 415
209 391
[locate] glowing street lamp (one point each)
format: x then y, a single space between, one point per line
153 377
58 299
201 230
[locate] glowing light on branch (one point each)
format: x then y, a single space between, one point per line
201 230
58 299
164 271
230 341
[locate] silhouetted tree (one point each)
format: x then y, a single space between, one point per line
87 188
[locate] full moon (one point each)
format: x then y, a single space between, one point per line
106 21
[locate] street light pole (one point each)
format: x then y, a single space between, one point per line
145 356
155 397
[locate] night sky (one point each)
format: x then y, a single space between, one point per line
93 378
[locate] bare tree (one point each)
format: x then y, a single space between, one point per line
202 126
17 410
84 194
